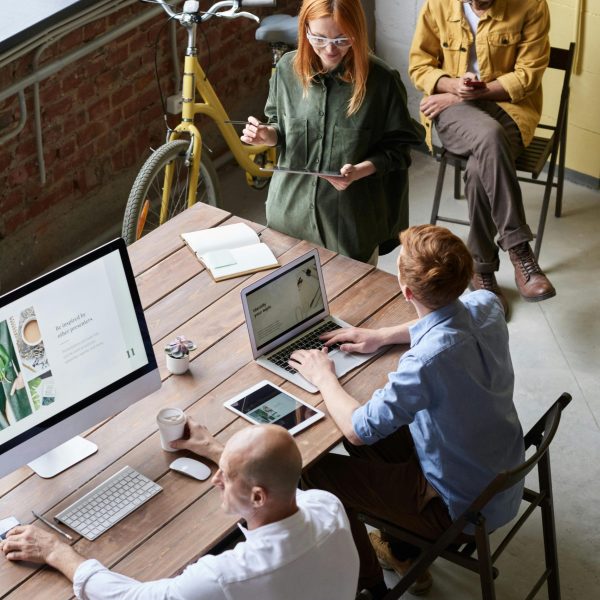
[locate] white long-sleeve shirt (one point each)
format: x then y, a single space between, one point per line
308 555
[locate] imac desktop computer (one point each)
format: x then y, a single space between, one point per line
74 350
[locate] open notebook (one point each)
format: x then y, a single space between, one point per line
230 250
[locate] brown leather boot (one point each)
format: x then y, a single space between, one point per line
531 282
388 561
487 281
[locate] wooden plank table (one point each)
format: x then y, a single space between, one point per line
179 297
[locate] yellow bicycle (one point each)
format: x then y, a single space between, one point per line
179 174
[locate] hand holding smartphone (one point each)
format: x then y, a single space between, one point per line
475 84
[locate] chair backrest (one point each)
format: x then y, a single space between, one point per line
562 59
540 436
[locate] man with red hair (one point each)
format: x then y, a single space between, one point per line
425 445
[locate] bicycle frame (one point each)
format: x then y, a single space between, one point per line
195 80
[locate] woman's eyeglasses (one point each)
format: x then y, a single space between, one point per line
316 41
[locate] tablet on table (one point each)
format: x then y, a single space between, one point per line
266 403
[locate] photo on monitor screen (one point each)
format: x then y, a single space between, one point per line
70 340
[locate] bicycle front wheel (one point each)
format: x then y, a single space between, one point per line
142 213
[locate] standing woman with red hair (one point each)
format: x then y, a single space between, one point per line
334 107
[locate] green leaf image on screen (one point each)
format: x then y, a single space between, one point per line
34 390
10 397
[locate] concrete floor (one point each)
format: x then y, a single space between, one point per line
555 348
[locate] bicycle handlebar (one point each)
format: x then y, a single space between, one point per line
263 3
222 8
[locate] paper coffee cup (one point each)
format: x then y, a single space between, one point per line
171 423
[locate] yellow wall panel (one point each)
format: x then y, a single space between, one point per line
569 3
583 144
590 49
592 6
584 108
583 150
562 24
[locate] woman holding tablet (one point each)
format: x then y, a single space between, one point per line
334 107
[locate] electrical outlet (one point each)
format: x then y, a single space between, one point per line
174 104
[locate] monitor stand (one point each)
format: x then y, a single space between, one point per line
62 457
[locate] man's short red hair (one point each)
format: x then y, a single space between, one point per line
435 264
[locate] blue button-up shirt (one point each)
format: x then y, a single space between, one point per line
454 389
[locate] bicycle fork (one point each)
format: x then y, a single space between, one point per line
193 154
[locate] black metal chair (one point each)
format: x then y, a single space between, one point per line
532 160
540 436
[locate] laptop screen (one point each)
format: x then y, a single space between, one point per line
285 302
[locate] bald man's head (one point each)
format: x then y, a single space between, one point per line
265 456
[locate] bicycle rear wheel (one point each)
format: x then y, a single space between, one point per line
142 211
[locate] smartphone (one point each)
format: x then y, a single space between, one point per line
475 84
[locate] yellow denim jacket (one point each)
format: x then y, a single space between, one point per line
512 47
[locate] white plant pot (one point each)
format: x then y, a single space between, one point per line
177 366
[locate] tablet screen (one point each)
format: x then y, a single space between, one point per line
270 405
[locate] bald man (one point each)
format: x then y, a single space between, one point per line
298 544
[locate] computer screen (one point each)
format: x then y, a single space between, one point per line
74 349
292 295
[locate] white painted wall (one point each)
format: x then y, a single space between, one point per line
395 22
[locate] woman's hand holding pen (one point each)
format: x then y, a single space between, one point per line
350 174
256 133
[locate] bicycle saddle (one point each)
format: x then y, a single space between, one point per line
278 28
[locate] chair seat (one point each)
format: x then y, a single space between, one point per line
534 158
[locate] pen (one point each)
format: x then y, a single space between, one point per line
240 123
51 525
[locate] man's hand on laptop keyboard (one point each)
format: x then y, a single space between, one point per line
354 339
313 365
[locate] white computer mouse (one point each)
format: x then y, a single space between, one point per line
191 467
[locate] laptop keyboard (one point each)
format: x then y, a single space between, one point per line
310 341
108 503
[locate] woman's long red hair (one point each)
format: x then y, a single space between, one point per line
350 18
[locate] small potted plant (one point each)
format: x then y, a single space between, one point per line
178 354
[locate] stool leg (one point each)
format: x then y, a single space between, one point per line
438 190
457 181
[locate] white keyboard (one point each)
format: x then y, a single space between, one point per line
108 503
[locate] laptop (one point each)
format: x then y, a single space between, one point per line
287 310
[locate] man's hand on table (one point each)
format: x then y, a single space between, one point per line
199 441
30 543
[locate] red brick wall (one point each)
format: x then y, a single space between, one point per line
102 114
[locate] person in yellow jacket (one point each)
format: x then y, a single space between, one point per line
480 65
